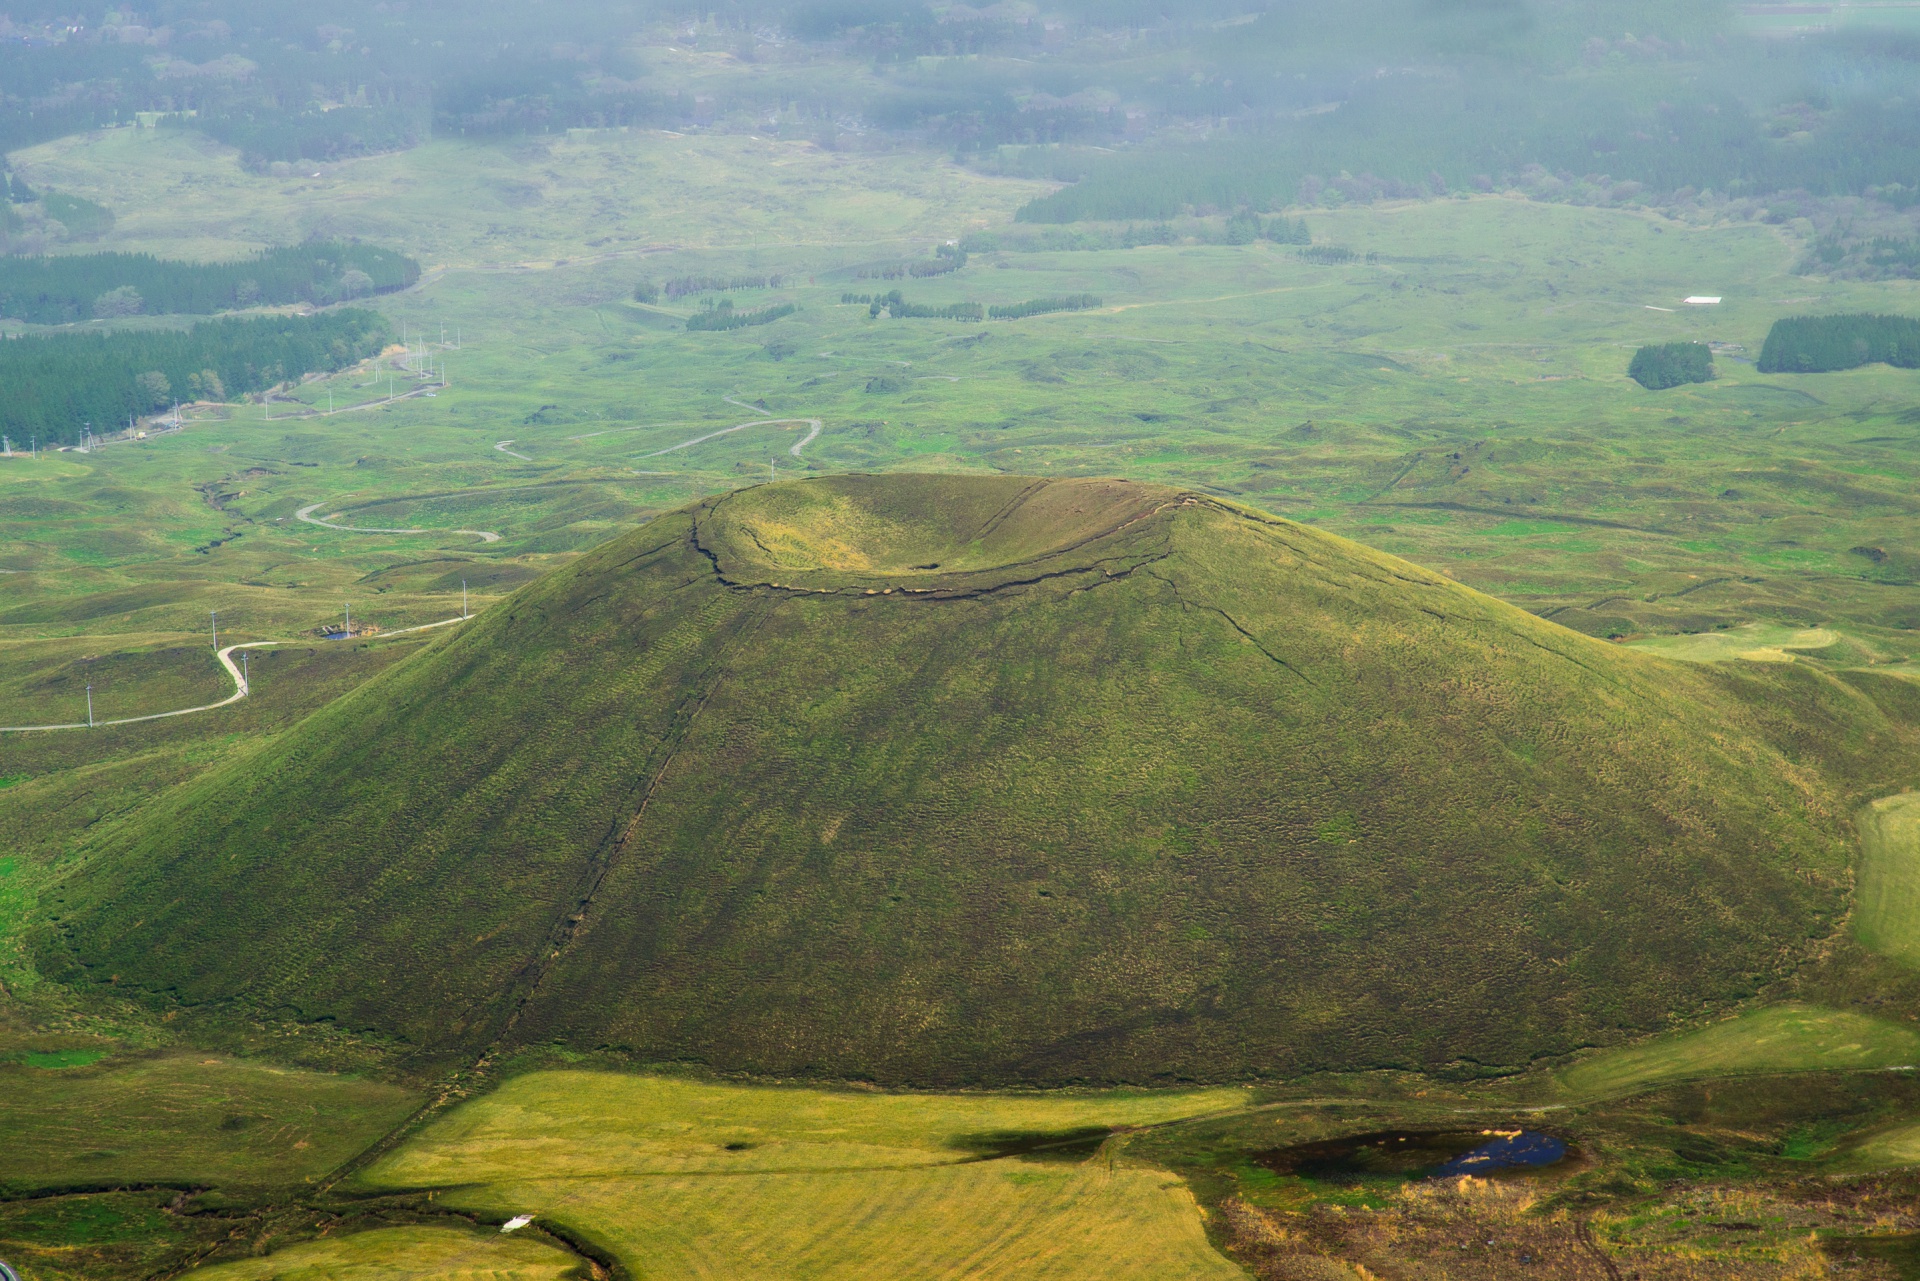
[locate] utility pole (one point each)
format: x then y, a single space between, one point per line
214 615
89 707
246 684
463 598
349 608
769 471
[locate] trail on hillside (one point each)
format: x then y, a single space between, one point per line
241 686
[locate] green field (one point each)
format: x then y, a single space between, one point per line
1752 642
183 1117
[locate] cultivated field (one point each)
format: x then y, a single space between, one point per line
406 1254
685 1179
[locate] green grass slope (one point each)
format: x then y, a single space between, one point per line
948 779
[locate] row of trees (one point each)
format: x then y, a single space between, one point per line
683 286
1671 364
56 385
1242 228
1819 344
66 288
725 317
898 308
945 263
1041 306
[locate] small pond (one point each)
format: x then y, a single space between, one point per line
1402 1155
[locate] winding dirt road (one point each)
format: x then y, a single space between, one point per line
240 685
814 424
306 514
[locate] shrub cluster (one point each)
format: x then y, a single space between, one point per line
65 288
1819 344
55 385
1664 365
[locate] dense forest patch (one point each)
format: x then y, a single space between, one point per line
69 287
57 385
1821 344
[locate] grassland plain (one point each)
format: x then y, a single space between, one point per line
884 697
1331 393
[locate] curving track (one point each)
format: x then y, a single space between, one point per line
814 425
240 689
306 514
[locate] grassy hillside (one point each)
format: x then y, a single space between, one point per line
960 779
1887 919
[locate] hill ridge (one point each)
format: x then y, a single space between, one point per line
1276 802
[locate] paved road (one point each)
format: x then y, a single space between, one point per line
240 690
306 514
